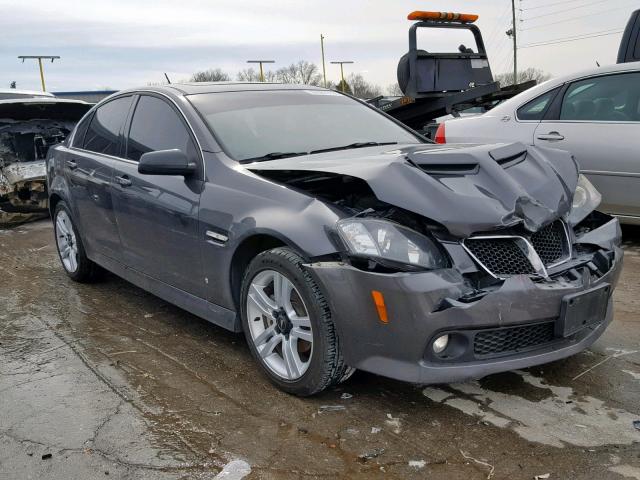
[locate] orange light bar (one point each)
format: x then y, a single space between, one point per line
378 299
443 16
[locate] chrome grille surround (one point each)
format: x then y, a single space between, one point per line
501 264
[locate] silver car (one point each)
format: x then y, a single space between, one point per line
593 114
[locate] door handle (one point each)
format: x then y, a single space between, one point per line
71 164
551 136
124 181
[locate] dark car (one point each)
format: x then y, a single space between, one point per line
332 235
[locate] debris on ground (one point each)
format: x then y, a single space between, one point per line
480 462
234 470
46 456
417 464
544 476
375 430
376 452
636 424
346 396
331 408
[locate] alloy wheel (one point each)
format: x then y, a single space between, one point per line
66 241
279 325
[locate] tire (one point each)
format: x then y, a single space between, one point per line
71 249
280 340
403 71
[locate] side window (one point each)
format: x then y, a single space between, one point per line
536 108
610 98
157 126
81 129
103 132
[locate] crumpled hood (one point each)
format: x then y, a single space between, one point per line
466 188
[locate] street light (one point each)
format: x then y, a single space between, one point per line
39 58
261 62
341 63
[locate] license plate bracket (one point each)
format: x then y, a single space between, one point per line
582 309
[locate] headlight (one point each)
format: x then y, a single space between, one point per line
585 199
385 240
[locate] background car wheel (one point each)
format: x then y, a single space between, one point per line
70 248
287 323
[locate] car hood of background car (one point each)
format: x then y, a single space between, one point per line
466 188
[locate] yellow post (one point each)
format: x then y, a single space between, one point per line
261 73
44 89
342 76
324 70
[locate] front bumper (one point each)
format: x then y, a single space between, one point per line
420 305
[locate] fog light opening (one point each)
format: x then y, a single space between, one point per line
440 344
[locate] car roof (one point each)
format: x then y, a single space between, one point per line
543 87
218 87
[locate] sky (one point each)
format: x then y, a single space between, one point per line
117 44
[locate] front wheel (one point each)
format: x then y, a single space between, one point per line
288 325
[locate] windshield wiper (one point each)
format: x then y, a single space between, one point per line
272 156
353 145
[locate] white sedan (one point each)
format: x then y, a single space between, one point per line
594 114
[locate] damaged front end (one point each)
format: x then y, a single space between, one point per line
28 128
484 258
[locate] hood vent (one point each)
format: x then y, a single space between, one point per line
509 155
449 169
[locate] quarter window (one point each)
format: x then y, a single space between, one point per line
102 136
156 126
536 108
610 98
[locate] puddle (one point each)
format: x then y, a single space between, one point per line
555 420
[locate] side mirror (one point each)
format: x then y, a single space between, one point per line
166 162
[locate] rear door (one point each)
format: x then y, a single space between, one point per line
89 167
598 120
157 215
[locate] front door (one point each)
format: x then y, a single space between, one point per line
157 215
599 123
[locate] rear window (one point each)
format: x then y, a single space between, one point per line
103 133
536 108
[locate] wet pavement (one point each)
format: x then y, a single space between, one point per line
107 381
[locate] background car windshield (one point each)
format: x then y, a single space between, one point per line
253 124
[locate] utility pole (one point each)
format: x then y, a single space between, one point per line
39 58
341 63
515 43
261 70
324 70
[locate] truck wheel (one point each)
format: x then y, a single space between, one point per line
288 325
70 248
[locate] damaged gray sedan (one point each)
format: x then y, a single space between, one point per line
29 124
334 237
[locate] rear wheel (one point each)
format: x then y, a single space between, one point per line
288 325
70 248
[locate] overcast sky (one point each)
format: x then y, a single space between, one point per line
124 43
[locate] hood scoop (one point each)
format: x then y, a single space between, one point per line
509 155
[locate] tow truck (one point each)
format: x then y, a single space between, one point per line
439 84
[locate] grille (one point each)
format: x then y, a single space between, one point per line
512 339
550 242
505 255
501 256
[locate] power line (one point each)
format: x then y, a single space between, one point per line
551 5
571 39
574 18
565 10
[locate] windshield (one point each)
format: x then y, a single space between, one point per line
259 124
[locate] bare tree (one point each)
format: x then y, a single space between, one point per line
252 75
530 73
303 72
12 84
211 75
394 90
361 88
343 87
